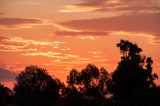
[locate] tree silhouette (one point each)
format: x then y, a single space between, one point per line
89 79
5 95
131 84
74 78
88 85
133 74
35 87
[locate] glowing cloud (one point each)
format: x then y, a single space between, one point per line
74 8
18 44
50 54
147 6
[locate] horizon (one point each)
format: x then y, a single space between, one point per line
61 35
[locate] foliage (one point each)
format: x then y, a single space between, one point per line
134 72
35 85
5 94
88 85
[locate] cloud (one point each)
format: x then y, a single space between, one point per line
139 23
19 22
6 75
70 33
2 38
18 44
31 42
156 39
51 54
136 22
114 5
75 8
90 5
87 37
94 52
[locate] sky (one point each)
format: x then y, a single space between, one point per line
60 35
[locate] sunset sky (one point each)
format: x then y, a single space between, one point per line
59 35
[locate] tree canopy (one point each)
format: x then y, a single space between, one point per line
133 73
34 84
5 94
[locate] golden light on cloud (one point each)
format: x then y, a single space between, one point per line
64 28
75 8
50 54
18 44
87 37
150 36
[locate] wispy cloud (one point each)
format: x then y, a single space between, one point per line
94 52
19 22
75 8
18 44
70 33
31 42
15 48
51 54
87 37
147 6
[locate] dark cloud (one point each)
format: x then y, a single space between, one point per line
17 22
148 23
6 75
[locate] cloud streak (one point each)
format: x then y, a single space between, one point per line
68 33
146 6
137 23
18 44
50 54
19 22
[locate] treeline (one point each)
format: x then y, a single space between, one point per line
131 84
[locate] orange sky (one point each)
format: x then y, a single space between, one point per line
59 35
